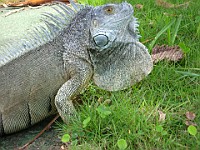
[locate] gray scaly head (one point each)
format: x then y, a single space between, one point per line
119 59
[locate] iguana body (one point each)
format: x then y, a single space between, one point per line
43 73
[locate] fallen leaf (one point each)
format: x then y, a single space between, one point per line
65 146
107 102
190 115
188 123
162 115
129 131
165 4
33 2
165 52
62 147
4 5
100 100
139 6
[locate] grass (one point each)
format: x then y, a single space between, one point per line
172 88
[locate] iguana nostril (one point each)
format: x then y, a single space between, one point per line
100 40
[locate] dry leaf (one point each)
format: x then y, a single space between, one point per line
129 131
107 102
162 115
33 2
190 115
188 123
100 100
139 6
4 5
165 4
165 52
62 147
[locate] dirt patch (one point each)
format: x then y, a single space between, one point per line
48 141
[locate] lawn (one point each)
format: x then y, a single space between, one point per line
152 113
110 120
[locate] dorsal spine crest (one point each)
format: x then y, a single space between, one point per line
53 24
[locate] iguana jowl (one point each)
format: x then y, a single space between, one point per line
43 73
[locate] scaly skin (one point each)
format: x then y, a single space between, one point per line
99 43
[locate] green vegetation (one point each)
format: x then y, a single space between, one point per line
131 120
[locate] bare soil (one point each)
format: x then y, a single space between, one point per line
50 140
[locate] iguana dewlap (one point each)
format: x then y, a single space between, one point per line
43 71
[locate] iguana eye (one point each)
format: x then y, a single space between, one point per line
109 10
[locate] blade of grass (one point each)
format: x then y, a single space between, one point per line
160 33
169 36
178 22
185 73
198 69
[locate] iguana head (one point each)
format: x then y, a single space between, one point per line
119 59
107 23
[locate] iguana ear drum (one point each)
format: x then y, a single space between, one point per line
100 40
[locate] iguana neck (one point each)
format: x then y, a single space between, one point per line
75 37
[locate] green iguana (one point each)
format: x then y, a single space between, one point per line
45 71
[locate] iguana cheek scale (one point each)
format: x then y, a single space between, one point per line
101 40
42 72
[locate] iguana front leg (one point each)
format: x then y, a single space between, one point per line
80 77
